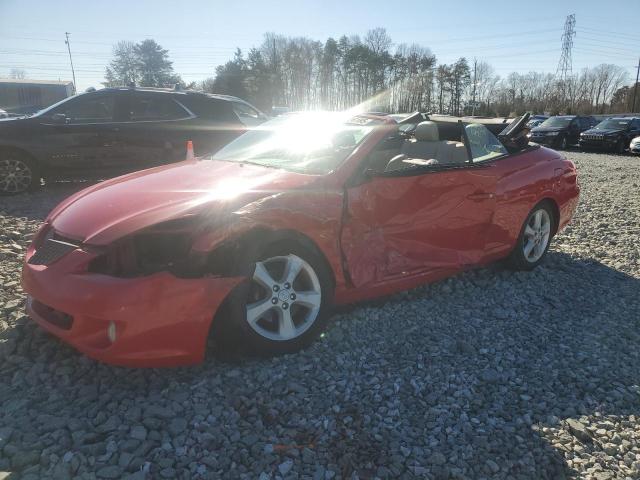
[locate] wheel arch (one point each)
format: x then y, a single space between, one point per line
223 338
555 209
4 148
225 257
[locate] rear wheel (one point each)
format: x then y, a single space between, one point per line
284 305
534 239
18 173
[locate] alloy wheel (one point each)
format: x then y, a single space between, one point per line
536 235
15 176
285 297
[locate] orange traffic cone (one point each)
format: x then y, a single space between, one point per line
190 155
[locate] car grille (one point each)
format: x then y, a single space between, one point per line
50 251
592 136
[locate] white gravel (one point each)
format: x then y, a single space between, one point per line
491 374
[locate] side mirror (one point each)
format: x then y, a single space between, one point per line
59 118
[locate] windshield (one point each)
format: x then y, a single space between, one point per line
308 143
557 122
612 123
51 107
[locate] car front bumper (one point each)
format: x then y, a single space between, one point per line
635 148
159 320
598 144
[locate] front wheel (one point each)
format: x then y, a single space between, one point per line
285 304
535 237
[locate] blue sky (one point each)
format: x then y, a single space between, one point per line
202 34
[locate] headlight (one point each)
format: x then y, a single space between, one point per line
552 133
162 247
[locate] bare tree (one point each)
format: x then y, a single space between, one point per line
18 74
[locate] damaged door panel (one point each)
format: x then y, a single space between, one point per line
397 226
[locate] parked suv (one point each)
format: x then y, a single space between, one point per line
116 130
612 134
561 131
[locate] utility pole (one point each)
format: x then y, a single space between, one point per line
70 61
473 105
635 88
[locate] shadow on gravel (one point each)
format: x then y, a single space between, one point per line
475 376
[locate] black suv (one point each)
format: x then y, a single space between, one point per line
116 130
612 134
561 131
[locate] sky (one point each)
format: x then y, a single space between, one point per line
202 34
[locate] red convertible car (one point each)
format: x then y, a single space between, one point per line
305 212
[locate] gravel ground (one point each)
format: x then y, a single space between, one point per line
491 374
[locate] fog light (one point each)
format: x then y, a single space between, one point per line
111 332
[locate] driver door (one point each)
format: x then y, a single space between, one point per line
419 220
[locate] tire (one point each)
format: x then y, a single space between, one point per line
19 173
265 315
533 242
563 143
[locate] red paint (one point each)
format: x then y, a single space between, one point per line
379 236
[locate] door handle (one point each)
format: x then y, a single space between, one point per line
478 196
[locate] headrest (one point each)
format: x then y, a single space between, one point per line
427 132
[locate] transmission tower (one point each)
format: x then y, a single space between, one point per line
564 70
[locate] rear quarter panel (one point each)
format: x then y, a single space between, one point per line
523 180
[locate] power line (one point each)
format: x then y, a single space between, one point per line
610 34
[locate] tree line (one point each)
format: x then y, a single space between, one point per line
302 73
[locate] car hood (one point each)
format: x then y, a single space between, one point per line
602 131
547 129
113 209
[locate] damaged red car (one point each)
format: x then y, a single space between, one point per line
303 213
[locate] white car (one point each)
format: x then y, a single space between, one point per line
634 146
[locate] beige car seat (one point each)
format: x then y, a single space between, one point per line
428 149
